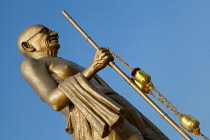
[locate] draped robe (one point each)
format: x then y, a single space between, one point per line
99 113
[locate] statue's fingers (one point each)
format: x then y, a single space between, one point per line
101 51
107 56
105 49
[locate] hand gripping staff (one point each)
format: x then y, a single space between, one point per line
130 81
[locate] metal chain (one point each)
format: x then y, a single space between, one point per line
126 64
163 100
159 99
206 138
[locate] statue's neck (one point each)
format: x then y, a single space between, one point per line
39 55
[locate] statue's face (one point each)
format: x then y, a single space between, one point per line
38 38
43 39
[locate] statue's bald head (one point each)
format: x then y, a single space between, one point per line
26 35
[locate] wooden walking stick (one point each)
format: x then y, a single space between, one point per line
130 82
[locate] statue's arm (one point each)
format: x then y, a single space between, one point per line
101 59
36 74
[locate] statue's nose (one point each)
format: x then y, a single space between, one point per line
53 33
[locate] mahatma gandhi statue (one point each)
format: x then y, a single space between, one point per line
92 109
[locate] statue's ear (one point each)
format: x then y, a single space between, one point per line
26 46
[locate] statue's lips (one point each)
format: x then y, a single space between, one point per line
53 39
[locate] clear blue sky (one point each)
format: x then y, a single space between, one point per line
170 40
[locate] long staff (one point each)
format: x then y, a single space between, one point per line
130 82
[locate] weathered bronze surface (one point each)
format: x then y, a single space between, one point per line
92 109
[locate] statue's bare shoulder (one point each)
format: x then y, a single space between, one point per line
31 66
28 63
35 71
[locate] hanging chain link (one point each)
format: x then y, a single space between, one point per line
206 138
163 100
126 64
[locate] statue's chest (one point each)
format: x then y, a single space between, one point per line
61 69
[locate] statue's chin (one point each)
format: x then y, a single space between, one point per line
52 49
53 45
52 53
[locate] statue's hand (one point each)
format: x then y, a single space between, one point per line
101 58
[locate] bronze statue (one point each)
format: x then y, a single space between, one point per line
92 109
